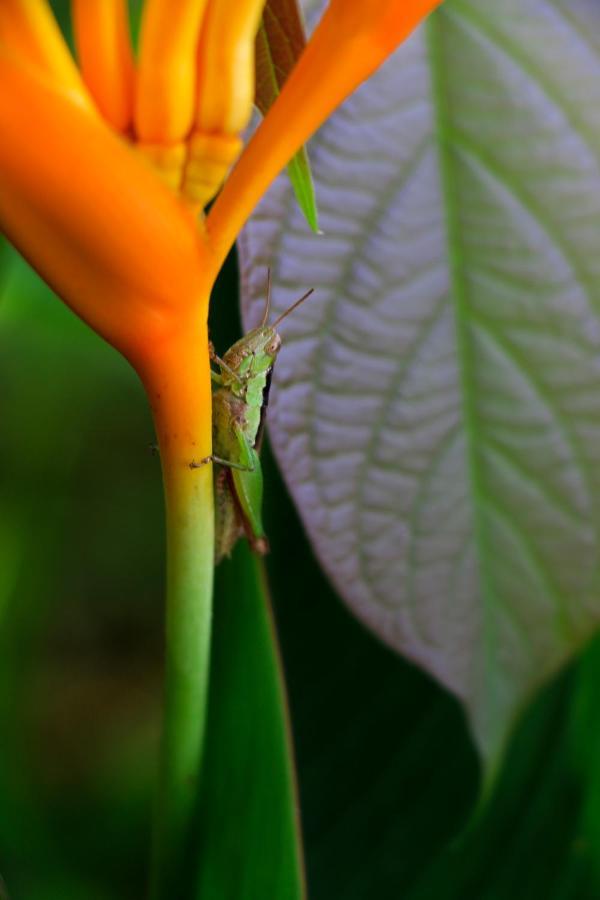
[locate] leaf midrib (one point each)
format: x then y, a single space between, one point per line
459 296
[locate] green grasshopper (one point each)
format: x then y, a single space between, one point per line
239 405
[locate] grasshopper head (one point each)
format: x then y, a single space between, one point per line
255 352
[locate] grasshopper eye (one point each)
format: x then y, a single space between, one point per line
274 345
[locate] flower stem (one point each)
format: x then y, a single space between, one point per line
179 389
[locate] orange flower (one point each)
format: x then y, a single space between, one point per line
81 150
77 197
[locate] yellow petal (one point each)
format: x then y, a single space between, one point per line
166 89
168 161
105 57
225 95
210 157
226 66
29 30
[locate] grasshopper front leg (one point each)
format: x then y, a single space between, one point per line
228 463
218 379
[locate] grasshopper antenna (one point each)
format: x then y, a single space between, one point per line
268 306
292 307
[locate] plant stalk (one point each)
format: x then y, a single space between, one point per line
178 386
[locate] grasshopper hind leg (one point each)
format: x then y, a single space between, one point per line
231 522
228 527
249 497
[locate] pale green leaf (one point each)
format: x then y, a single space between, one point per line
436 409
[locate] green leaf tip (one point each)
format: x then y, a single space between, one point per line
301 178
279 43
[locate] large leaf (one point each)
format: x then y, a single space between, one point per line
387 774
436 410
251 844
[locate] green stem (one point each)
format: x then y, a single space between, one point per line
180 398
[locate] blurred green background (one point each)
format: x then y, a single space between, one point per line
388 777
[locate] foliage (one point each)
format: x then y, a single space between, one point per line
436 412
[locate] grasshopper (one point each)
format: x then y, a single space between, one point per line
239 406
